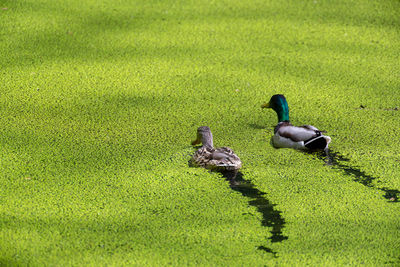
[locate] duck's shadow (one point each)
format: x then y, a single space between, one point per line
271 217
338 161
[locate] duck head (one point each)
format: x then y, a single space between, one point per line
279 104
204 136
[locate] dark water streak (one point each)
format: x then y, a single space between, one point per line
336 160
271 217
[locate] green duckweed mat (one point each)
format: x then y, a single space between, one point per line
99 101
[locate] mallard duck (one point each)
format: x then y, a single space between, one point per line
288 136
218 159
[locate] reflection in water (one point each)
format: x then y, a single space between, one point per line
271 217
336 160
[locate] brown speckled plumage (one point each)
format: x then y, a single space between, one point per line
218 159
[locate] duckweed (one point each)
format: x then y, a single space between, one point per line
100 100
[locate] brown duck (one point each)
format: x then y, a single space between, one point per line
218 159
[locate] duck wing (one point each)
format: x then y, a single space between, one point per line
226 156
297 134
221 159
319 141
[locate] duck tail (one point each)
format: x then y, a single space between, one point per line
319 142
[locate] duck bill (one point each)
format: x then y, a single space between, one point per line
266 105
196 142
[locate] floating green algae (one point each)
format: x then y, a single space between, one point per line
99 102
